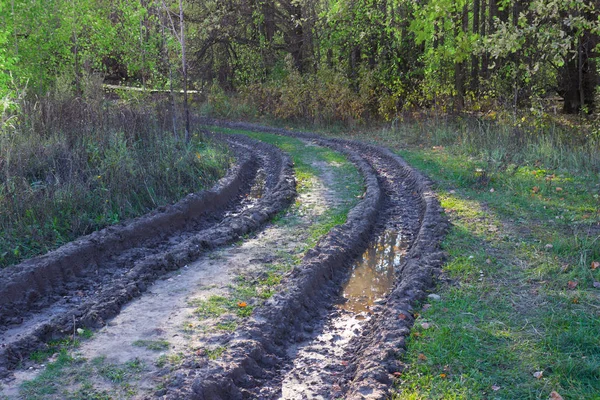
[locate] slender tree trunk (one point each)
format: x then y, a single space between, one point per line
186 108
580 72
459 67
474 58
484 57
165 53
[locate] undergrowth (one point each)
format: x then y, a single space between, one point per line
72 165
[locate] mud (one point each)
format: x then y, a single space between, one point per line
85 282
397 197
302 342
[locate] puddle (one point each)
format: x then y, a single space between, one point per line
318 362
373 276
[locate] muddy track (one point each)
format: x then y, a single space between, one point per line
257 357
87 281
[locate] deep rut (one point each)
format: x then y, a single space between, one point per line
264 351
86 282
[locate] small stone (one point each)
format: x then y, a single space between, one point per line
596 285
434 296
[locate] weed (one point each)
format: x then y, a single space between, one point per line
157 345
215 353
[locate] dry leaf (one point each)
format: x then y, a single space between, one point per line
495 388
422 357
426 307
242 304
559 189
595 265
538 374
555 396
443 376
535 189
572 284
402 316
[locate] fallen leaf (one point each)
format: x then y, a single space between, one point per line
572 284
538 374
555 396
443 376
495 388
402 316
576 300
422 357
535 189
426 307
242 304
425 325
559 189
397 374
595 265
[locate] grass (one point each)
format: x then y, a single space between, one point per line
72 377
84 164
156 345
520 297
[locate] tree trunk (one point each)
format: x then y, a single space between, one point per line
186 108
474 58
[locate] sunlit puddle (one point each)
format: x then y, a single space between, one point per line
317 360
373 275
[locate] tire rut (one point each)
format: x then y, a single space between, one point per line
397 197
88 281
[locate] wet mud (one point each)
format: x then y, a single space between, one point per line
256 361
332 330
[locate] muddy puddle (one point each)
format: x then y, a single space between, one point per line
319 362
373 275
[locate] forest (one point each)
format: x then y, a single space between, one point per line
226 199
360 60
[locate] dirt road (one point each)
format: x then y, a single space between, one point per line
331 323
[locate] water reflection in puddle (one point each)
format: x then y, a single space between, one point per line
373 275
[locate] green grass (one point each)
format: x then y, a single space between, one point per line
156 345
510 310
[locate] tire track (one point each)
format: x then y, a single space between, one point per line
88 281
397 197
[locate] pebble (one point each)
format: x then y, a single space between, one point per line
434 296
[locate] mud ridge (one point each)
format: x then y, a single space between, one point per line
257 352
87 281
